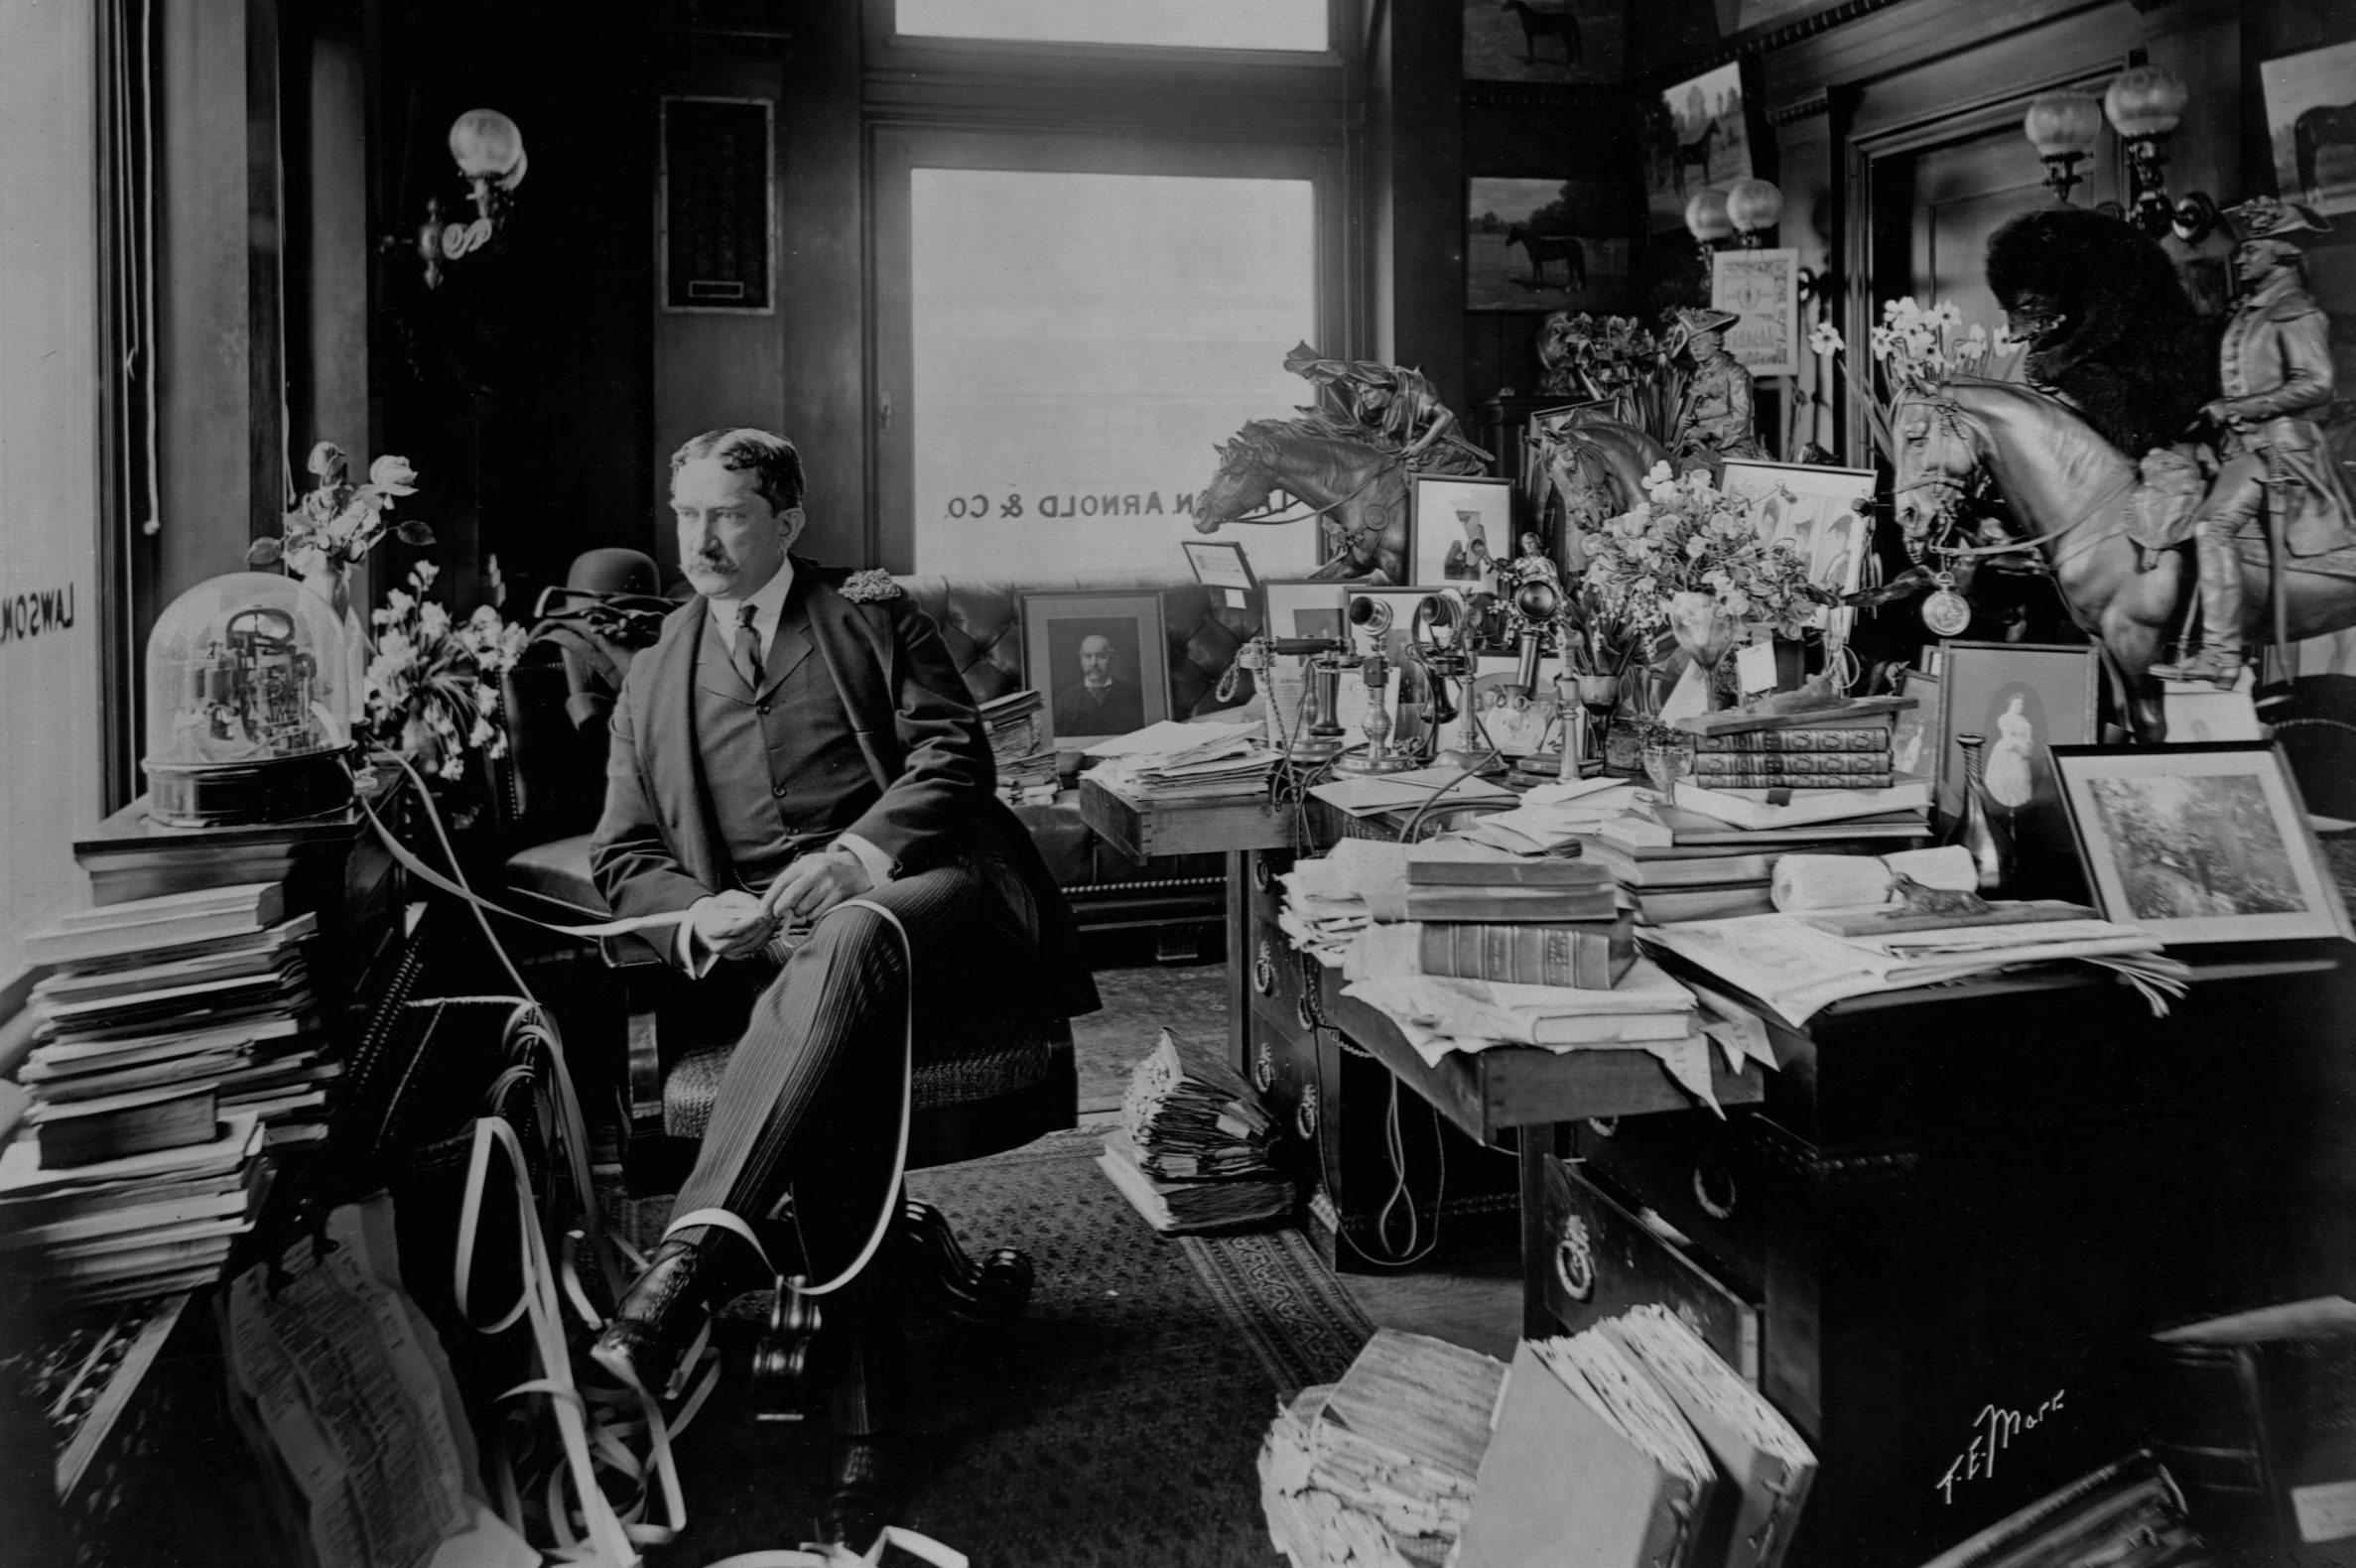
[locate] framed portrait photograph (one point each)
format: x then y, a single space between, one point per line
2199 843
1098 660
2310 118
1813 511
1914 736
1221 566
1456 524
1539 244
2021 698
1544 41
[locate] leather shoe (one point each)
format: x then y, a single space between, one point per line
658 1317
860 1504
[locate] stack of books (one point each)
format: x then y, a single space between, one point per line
1196 1149
1712 854
1017 743
1677 1460
1379 1468
1469 912
162 1014
136 1225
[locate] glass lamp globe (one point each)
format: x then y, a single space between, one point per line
2062 124
2145 100
1753 204
1705 215
486 144
249 704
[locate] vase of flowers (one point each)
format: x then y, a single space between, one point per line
434 684
1693 563
335 526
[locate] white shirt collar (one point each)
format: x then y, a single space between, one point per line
767 602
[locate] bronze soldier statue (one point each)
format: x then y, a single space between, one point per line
1715 422
2276 369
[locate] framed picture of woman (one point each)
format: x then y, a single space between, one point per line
2021 699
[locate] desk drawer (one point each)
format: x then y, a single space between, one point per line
1601 1260
1700 1173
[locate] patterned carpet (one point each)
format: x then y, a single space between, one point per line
1138 1004
1116 1424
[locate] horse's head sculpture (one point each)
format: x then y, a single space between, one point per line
1935 460
1242 486
1357 491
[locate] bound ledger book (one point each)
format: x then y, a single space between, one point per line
1589 1465
2256 1417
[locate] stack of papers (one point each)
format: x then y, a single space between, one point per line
1025 762
1196 1149
1553 817
1371 794
1379 1468
140 1226
1799 970
192 993
1174 762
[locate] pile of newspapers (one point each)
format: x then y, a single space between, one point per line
1196 1149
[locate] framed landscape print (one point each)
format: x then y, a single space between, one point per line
1544 245
2199 843
2311 116
2021 698
1544 39
1458 523
1098 660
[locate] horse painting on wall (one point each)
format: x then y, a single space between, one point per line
1543 246
2311 116
1695 135
1544 39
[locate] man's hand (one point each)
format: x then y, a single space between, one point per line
815 884
2218 411
733 924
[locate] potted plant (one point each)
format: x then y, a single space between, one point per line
1690 560
433 683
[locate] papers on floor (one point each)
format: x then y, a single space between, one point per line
1797 971
1674 1458
1172 762
1379 1468
1196 1149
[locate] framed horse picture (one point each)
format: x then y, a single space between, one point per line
1544 39
2311 116
1697 135
1544 245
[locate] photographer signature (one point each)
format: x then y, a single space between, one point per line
1996 1429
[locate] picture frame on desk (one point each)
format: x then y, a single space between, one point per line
2200 843
1914 734
1811 508
1303 606
1070 637
1225 572
1455 522
2023 698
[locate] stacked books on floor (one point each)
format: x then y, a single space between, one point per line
1019 744
1763 785
1379 1468
1196 1149
1634 1439
163 1014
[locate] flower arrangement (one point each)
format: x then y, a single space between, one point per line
433 683
1688 538
1614 359
1915 347
337 523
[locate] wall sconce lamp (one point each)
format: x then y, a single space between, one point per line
1708 222
2146 103
489 149
2062 127
1752 207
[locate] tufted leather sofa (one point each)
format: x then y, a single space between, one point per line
556 781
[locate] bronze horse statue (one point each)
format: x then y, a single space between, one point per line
1357 491
2072 492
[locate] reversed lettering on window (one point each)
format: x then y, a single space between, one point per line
1993 1430
28 614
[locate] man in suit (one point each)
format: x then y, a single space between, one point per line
1101 704
798 737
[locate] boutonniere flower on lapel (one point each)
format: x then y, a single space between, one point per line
871 587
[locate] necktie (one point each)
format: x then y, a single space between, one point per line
747 655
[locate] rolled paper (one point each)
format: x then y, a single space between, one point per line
1804 882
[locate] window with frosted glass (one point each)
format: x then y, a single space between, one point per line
1080 341
1293 25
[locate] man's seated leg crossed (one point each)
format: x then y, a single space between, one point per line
786 747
